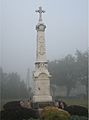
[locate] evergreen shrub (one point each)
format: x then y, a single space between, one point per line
53 113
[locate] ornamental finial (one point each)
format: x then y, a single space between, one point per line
40 11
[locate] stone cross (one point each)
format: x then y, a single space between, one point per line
40 11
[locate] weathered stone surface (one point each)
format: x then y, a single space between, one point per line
41 75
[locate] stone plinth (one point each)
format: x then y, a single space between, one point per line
43 98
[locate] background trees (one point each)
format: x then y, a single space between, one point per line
69 70
65 72
11 86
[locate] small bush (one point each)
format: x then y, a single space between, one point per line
77 110
53 113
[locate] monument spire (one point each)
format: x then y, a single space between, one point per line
41 74
40 11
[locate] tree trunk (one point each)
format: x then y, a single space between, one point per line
68 91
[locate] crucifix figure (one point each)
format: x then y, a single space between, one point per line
40 11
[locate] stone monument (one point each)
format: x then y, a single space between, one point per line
41 75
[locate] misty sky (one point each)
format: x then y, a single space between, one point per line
66 31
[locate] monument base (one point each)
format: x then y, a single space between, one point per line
44 98
41 105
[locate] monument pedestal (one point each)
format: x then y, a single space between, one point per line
43 98
41 105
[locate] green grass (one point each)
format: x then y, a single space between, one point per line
74 101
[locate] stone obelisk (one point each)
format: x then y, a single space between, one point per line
41 75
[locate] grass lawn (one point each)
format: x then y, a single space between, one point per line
75 101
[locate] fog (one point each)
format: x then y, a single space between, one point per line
66 22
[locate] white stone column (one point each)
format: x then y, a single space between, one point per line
41 75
